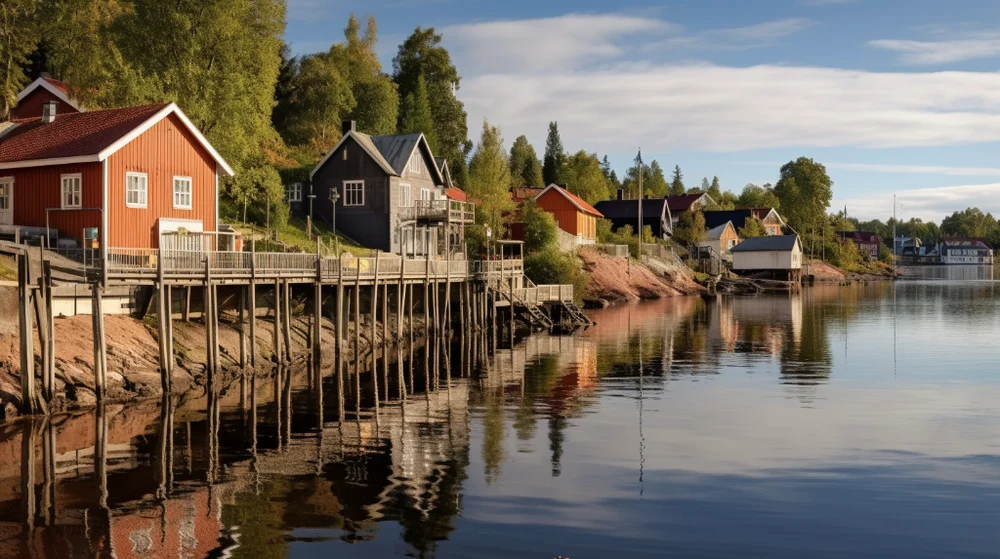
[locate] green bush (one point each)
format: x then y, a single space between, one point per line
623 236
540 229
553 267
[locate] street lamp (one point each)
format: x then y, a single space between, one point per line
489 237
334 196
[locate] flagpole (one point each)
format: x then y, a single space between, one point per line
639 250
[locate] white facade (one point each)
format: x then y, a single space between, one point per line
768 259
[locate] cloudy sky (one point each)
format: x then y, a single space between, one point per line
894 96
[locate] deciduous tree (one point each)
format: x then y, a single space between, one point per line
754 196
525 167
690 227
490 179
584 177
804 191
18 37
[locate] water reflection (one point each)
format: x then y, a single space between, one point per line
810 412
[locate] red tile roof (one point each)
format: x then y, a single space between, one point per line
455 194
71 135
521 193
60 85
683 202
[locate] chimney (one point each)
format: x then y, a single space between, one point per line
49 112
349 126
621 193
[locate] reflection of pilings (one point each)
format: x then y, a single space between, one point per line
165 449
101 455
212 435
49 473
28 475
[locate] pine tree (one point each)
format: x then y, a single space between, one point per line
705 185
677 185
416 114
524 164
554 166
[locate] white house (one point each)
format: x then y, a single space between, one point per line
780 253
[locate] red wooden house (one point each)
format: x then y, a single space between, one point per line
132 173
41 91
572 213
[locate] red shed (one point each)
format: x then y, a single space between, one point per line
572 213
133 173
41 91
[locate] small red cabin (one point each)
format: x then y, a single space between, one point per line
41 91
572 213
130 175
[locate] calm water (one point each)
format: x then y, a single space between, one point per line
840 422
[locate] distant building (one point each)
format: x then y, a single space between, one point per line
906 246
721 239
687 202
965 250
868 243
41 91
572 213
780 255
621 212
769 217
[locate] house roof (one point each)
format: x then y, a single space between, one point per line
716 218
392 153
684 202
716 233
86 137
860 236
652 208
576 200
442 164
56 87
456 194
764 244
969 241
521 193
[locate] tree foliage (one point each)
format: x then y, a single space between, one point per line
804 191
690 227
415 115
525 167
677 182
753 227
554 163
754 196
540 228
971 222
421 54
18 37
584 177
490 179
654 184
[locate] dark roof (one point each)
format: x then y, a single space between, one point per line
860 236
715 233
71 134
396 149
761 244
714 219
973 241
629 209
683 202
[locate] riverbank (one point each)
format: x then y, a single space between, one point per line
614 280
821 272
133 355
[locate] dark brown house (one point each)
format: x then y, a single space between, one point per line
388 190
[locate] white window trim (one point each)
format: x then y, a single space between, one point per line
146 182
426 194
295 187
62 191
9 181
415 166
405 201
190 193
344 193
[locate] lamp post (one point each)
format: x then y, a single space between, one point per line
334 196
489 241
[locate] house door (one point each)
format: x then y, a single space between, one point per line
7 201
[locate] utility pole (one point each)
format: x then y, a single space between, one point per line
639 244
894 254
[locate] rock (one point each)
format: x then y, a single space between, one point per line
114 377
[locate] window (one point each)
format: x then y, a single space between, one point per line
295 192
426 194
354 193
135 190
405 196
72 191
415 164
182 193
345 154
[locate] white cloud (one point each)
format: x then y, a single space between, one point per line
926 203
961 47
738 38
919 169
548 43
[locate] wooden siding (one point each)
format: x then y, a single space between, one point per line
166 150
31 106
39 188
367 224
768 260
569 218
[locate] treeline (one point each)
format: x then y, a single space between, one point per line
970 222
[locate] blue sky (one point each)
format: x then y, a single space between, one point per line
894 96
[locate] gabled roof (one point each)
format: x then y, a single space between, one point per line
87 137
456 194
392 153
715 233
859 236
442 164
652 208
576 200
714 219
966 241
763 244
684 202
519 194
54 87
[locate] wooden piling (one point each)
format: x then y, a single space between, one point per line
287 321
339 340
385 341
242 305
29 399
208 306
277 321
317 330
43 317
357 343
373 344
161 332
252 290
187 304
100 345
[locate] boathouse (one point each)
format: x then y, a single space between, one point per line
779 255
126 178
966 250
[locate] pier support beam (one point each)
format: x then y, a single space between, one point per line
100 346
29 397
277 321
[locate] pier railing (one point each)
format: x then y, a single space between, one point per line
439 210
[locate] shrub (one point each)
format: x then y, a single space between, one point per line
540 229
553 267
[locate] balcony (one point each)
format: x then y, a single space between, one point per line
439 210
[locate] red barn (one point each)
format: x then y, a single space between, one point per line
41 91
133 173
572 213
868 243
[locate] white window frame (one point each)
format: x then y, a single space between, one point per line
142 193
426 194
190 193
78 203
405 195
9 183
351 198
295 192
415 164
